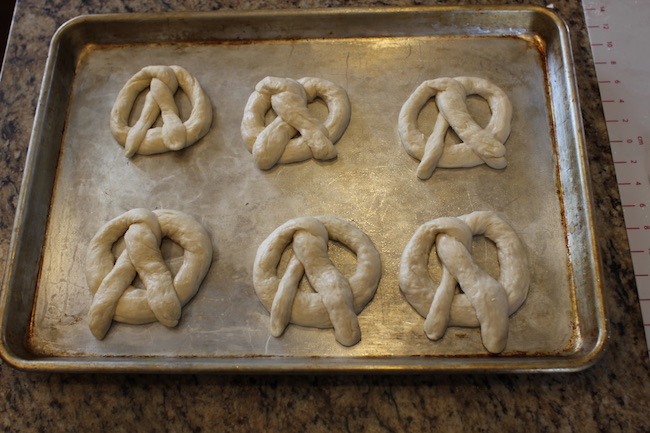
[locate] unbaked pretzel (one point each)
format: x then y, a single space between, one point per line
174 134
337 300
485 302
277 142
164 295
478 145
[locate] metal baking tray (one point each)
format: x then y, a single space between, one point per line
77 178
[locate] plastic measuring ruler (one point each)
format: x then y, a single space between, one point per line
619 34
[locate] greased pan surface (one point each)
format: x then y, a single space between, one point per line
78 179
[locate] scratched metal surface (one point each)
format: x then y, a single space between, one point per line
372 184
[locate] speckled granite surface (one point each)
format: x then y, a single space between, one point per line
612 396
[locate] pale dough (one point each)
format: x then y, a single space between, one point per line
110 279
277 142
478 146
337 300
485 302
174 134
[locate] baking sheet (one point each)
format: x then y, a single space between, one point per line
372 183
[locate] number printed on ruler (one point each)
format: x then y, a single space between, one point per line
618 31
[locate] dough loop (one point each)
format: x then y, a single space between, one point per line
336 300
277 142
478 145
485 302
110 279
174 134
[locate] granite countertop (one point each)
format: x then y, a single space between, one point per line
611 396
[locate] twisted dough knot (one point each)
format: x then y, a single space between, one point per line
174 134
485 302
478 145
164 294
337 300
277 142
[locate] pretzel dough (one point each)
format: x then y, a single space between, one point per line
485 302
337 300
277 142
479 146
164 295
174 134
